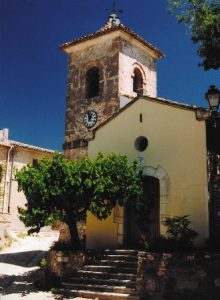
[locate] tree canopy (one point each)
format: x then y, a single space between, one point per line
61 189
203 20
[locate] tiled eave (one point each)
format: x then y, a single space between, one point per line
173 103
30 147
106 30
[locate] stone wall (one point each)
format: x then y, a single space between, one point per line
161 276
214 209
104 56
173 276
63 263
75 153
116 58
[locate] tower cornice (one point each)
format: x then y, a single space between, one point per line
107 30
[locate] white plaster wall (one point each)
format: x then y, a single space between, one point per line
130 58
22 157
124 101
12 198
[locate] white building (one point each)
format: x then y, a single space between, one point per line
14 155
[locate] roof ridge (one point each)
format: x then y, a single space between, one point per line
154 99
107 28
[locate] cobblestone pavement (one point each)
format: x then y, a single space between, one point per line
18 264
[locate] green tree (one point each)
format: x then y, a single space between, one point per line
60 189
203 20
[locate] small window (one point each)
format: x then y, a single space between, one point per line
1 172
141 118
92 82
141 143
35 163
137 81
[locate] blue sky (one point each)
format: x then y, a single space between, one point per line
33 71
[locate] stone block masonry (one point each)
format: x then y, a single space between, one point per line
114 58
63 263
214 209
105 104
164 276
179 276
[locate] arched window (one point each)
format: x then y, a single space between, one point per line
137 81
92 82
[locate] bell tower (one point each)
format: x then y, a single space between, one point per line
106 70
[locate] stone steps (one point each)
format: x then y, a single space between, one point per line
110 269
99 288
116 262
119 257
110 275
121 252
105 275
101 281
103 295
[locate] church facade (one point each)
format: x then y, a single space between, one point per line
112 106
170 144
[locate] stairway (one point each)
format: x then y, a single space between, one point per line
110 275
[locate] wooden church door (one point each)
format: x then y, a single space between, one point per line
148 227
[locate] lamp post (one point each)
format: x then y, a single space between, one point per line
213 128
213 144
213 98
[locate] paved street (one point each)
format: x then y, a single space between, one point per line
18 263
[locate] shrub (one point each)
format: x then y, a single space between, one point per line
179 230
180 236
43 263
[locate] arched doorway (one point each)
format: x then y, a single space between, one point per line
147 227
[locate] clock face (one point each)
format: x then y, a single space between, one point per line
90 118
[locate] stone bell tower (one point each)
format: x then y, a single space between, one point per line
106 70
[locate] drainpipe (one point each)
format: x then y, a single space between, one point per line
11 179
6 175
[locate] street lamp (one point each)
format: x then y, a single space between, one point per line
213 147
213 98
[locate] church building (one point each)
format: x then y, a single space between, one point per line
112 106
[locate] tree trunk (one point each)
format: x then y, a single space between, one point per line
64 230
69 233
74 234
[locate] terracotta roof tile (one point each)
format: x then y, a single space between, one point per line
107 29
31 147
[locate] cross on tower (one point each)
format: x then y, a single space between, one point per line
113 18
114 10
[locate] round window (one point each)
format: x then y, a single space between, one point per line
141 143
